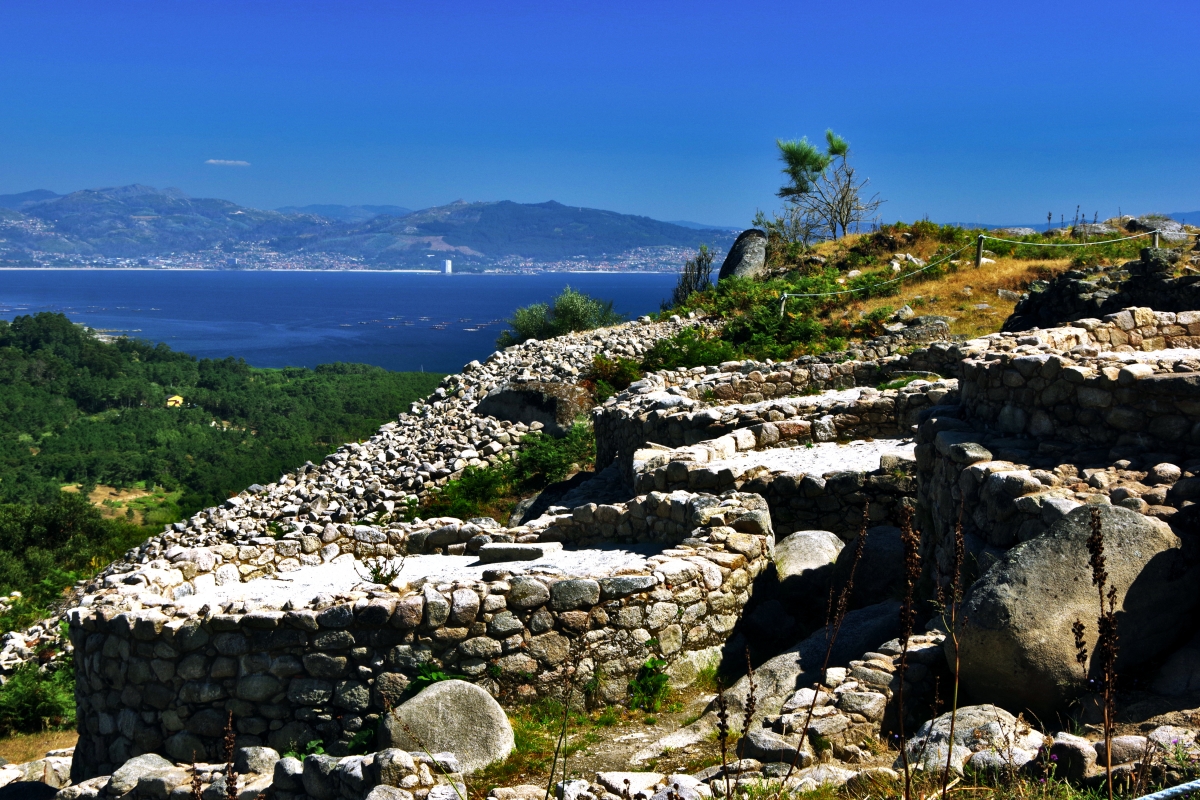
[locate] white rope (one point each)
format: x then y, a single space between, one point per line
783 298
942 260
1070 244
1175 791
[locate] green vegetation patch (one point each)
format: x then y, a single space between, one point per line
568 312
77 410
46 547
493 490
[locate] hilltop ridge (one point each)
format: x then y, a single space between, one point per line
41 228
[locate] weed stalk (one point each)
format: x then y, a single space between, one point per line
723 733
231 776
912 571
1106 637
954 603
835 613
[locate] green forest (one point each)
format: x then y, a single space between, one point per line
77 410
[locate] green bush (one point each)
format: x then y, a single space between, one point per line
569 311
543 459
691 347
35 699
609 376
649 688
468 496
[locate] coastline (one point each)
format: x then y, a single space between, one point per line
304 271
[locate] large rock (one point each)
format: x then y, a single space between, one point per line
451 716
748 256
880 571
985 734
804 563
1016 644
555 405
126 777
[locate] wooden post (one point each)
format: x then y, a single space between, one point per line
979 252
1155 238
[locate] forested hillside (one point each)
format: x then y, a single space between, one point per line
77 410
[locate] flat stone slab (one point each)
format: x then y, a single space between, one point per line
344 573
822 457
498 552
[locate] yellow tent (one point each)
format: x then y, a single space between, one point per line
175 401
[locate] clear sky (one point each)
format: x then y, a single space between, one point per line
964 111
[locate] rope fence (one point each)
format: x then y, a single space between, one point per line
783 298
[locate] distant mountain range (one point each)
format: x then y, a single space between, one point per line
347 213
141 222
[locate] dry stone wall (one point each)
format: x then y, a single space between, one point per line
1102 411
684 407
155 674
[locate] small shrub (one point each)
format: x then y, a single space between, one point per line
649 688
314 748
382 570
609 376
427 675
466 496
569 311
360 742
608 717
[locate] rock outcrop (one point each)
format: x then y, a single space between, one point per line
748 256
1016 643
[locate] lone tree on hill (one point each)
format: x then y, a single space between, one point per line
823 186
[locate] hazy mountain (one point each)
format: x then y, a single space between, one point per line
16 201
346 213
139 221
700 226
132 221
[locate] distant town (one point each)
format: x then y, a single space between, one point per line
262 257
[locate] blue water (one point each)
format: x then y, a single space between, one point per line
276 319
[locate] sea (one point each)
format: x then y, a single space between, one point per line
396 320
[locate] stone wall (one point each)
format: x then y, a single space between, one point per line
155 674
676 421
1108 390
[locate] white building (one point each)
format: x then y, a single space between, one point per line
446 270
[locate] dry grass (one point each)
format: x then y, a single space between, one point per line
31 746
957 293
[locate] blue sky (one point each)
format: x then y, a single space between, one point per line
993 112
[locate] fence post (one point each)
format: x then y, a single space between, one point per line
979 252
782 303
1155 238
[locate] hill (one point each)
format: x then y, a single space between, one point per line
16 201
133 221
137 221
346 213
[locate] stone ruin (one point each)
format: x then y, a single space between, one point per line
720 516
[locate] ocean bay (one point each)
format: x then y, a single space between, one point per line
396 320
